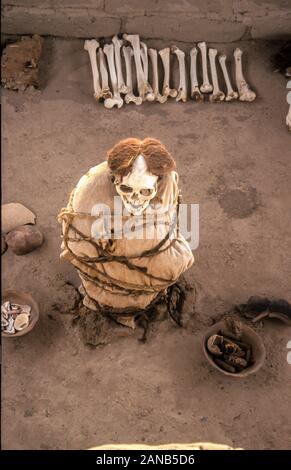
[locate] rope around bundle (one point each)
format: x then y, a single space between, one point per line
172 298
100 277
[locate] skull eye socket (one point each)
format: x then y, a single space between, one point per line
146 191
125 189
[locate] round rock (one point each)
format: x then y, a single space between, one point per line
24 239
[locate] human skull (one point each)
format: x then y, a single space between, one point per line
137 188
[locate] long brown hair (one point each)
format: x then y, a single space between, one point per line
122 156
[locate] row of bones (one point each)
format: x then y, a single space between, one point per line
112 53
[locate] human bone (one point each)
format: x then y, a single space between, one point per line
116 100
21 321
165 56
217 95
144 59
5 307
231 94
4 323
26 309
142 84
182 89
137 188
14 317
206 86
24 239
10 327
195 92
15 214
212 345
105 90
129 97
91 47
121 285
145 63
244 91
288 119
154 61
122 88
15 308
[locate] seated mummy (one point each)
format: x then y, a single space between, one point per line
120 228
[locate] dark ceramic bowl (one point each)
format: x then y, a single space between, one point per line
248 336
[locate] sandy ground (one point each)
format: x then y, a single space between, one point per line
234 160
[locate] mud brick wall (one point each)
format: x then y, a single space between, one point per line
180 20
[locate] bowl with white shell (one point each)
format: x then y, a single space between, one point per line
19 313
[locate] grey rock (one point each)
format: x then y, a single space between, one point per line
24 239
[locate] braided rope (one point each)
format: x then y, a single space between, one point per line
107 282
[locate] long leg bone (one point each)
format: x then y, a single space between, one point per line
116 100
145 62
182 91
231 94
144 59
206 86
142 84
217 94
165 56
122 88
154 60
195 92
244 91
105 92
91 47
129 97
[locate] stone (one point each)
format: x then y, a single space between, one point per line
14 215
24 239
19 63
263 28
184 28
150 7
211 20
54 3
257 8
65 22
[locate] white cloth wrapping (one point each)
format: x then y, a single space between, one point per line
116 285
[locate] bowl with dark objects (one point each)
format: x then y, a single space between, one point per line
234 355
19 313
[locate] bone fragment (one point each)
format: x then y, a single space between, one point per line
206 86
195 92
182 90
167 91
142 84
217 95
105 90
91 47
230 94
122 88
129 97
155 85
116 100
244 91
